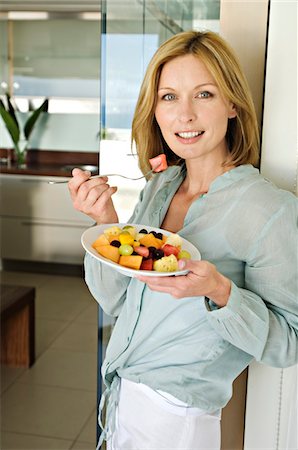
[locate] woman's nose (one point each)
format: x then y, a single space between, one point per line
187 112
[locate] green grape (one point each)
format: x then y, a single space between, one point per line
184 254
125 249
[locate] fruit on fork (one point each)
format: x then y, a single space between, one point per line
159 163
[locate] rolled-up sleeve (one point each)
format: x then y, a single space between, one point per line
262 317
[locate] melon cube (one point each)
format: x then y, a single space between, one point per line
132 261
101 240
108 251
159 163
149 240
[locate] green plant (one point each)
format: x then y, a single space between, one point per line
8 114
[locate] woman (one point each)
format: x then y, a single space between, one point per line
179 342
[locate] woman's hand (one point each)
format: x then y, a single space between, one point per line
202 280
92 196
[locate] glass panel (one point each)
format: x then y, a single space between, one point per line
4 70
54 58
50 58
122 50
58 58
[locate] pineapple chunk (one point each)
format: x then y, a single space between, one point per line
132 230
112 231
174 239
166 264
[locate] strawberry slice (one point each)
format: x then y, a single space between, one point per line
170 250
142 250
159 163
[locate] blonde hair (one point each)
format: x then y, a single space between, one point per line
242 134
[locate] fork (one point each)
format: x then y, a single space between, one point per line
111 175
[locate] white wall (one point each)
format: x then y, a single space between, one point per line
271 409
279 159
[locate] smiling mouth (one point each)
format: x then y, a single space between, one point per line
189 134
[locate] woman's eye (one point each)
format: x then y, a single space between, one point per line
204 94
168 97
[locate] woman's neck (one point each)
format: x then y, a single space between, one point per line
199 177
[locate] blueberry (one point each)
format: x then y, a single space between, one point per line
143 231
158 253
115 243
159 235
151 251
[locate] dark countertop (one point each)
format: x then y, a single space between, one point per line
50 163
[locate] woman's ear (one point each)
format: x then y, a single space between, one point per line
232 111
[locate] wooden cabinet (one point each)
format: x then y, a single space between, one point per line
38 221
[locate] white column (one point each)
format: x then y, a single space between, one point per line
271 408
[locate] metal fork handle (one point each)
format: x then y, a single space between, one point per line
109 175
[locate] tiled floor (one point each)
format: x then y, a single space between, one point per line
52 405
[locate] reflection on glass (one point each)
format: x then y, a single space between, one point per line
124 75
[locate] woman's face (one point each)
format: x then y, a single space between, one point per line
190 110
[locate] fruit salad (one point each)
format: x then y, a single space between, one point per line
141 250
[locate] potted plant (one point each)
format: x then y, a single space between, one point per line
20 136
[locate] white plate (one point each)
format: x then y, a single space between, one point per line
91 234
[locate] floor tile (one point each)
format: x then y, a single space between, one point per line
59 304
9 375
83 446
46 411
88 434
75 285
80 337
16 441
90 314
62 368
46 331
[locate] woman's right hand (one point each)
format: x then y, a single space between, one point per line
92 196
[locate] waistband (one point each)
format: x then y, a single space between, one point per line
167 401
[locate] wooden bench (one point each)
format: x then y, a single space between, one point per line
17 325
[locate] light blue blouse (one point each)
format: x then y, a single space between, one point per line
190 348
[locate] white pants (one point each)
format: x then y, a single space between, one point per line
150 420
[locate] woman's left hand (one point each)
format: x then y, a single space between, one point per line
203 279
